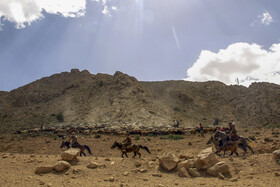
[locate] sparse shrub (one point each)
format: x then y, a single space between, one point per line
137 137
149 139
101 83
278 161
97 136
172 137
177 109
246 130
60 117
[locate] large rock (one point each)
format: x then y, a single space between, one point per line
220 167
183 172
276 154
186 164
168 161
193 172
43 169
205 159
61 166
70 154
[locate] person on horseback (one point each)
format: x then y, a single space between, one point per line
201 130
232 132
127 142
73 139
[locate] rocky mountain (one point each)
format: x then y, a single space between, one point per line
80 97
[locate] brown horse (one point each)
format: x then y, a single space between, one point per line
133 148
77 145
219 143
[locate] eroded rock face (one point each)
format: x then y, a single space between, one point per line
220 167
70 154
168 161
61 166
205 159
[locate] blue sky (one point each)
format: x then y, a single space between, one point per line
153 40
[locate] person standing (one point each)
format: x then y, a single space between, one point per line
73 140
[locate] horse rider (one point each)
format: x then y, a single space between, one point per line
176 123
127 142
201 130
232 132
73 140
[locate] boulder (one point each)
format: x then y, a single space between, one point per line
183 172
220 167
186 156
186 164
168 161
70 154
43 169
205 159
61 166
93 165
276 154
193 172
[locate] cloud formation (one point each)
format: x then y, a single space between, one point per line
24 12
241 63
265 18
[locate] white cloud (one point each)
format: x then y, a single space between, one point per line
266 18
247 62
24 12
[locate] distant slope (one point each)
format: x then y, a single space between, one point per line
104 99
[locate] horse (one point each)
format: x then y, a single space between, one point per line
77 145
242 142
133 148
219 143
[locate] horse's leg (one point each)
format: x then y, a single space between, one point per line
134 154
236 152
250 149
122 154
225 149
245 150
125 154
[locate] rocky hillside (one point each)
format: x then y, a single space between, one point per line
80 97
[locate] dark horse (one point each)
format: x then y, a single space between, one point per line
133 148
242 142
219 143
77 145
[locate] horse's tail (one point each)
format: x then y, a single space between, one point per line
146 148
88 149
251 142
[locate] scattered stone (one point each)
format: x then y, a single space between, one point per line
43 169
190 143
234 179
183 172
41 182
70 154
111 179
107 159
221 176
186 156
157 174
193 172
93 165
276 154
5 156
112 163
125 173
220 167
277 174
168 161
32 155
160 185
61 166
137 163
143 170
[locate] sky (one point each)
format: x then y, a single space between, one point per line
232 41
